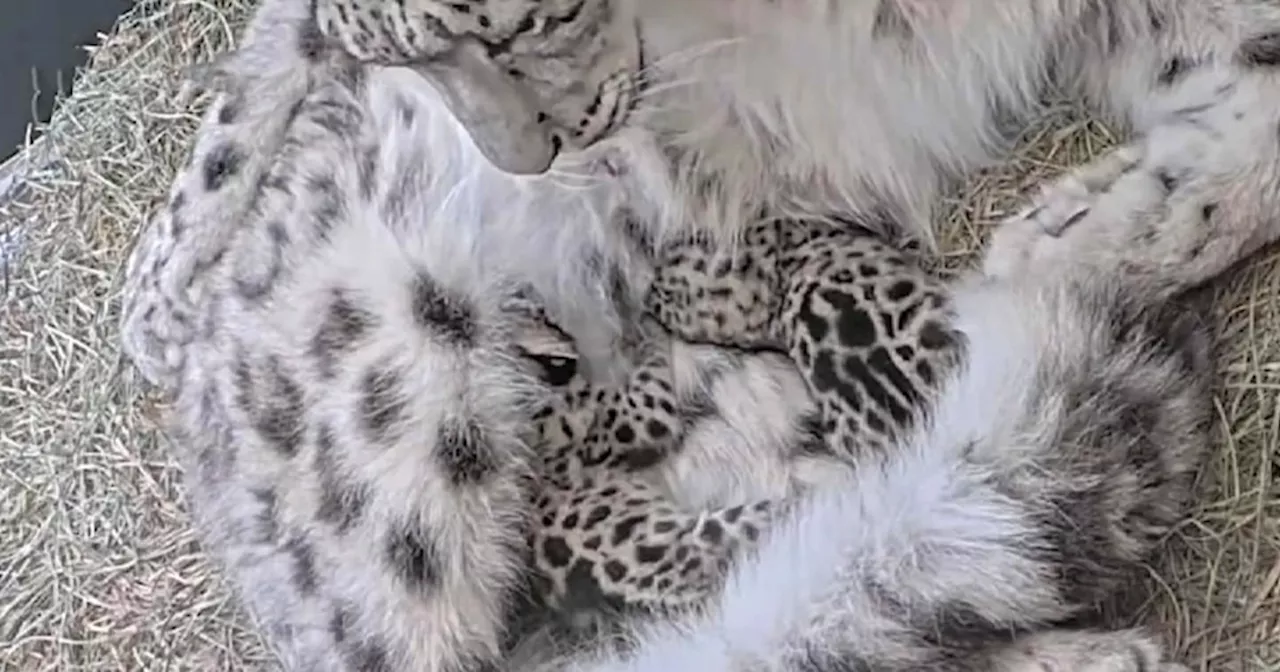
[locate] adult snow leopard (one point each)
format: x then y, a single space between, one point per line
304 148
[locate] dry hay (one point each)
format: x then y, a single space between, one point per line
98 569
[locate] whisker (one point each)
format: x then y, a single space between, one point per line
688 54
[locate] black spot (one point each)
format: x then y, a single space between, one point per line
557 552
438 310
625 528
267 519
854 325
304 565
926 373
732 515
900 290
344 324
413 556
571 521
1173 70
859 370
625 433
584 591
647 555
657 430
879 360
274 404
382 403
615 570
1262 51
341 504
340 622
825 377
637 459
222 162
464 451
664 526
596 516
934 336
712 532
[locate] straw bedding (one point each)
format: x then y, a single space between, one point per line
98 567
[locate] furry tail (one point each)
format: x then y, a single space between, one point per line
1053 463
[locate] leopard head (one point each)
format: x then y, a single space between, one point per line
528 79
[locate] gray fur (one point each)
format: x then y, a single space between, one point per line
1054 461
313 175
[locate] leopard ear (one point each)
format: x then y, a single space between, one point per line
497 110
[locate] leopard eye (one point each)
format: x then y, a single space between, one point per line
557 371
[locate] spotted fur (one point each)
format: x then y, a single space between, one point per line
343 246
1057 456
562 72
862 319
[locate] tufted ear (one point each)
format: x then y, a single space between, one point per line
498 111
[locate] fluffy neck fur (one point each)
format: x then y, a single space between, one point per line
809 107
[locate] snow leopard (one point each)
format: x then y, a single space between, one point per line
720 115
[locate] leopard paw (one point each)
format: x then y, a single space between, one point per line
1086 651
719 295
1075 214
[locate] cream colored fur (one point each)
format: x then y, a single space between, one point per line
792 106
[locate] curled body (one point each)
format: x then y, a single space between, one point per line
349 291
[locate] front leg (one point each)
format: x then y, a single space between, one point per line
723 294
622 546
868 328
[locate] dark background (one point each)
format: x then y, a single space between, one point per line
44 36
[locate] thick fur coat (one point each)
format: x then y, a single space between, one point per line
323 295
